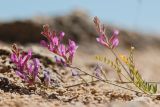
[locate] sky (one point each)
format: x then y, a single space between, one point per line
142 15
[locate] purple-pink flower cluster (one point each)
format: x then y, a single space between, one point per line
26 68
47 78
103 39
54 44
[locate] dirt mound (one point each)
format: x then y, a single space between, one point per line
78 26
20 31
69 93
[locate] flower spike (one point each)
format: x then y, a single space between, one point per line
55 45
26 68
103 39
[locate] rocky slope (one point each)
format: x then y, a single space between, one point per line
77 25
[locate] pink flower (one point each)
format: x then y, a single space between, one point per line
55 41
14 58
72 49
24 58
26 68
35 70
114 39
62 50
55 45
74 72
44 43
61 36
47 78
21 75
60 60
97 71
20 59
103 39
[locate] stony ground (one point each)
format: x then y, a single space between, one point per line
15 93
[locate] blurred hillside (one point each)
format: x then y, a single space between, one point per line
77 25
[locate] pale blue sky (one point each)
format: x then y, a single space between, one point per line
134 14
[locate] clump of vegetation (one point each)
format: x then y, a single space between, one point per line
28 69
122 63
124 66
64 54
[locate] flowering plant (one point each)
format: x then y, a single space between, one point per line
123 65
54 44
26 68
103 39
121 61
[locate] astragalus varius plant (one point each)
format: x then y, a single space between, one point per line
26 68
63 53
123 65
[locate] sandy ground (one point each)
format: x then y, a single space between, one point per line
14 93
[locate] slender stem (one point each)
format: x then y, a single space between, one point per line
124 76
127 72
83 79
121 63
103 73
105 81
80 84
119 76
124 82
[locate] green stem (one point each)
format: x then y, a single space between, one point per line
127 72
152 82
121 63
